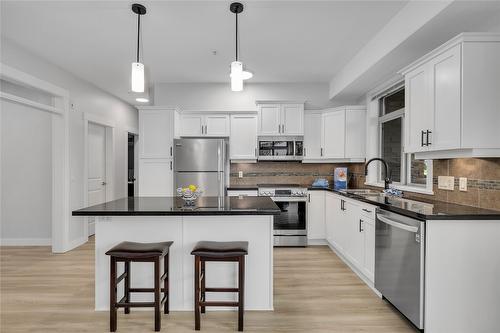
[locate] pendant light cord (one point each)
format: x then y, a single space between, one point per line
236 36
138 34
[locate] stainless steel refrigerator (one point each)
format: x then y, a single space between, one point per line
202 162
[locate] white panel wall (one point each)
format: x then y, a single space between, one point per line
214 95
85 98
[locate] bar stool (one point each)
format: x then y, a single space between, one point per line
128 252
218 251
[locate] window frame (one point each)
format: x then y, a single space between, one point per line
405 179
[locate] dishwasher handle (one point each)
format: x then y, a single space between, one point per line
397 224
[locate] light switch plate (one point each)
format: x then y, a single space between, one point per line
462 184
240 174
446 183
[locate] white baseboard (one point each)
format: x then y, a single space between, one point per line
314 242
25 242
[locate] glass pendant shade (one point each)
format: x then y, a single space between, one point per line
137 77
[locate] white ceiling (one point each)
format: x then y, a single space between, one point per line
280 41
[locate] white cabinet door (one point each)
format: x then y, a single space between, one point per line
334 134
155 177
155 133
355 123
243 139
446 89
192 125
216 125
354 235
292 119
316 215
418 112
269 119
312 135
332 208
368 226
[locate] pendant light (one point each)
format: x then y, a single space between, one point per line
138 67
237 73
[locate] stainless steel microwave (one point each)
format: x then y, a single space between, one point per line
280 148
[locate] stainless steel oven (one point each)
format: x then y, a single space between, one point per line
281 148
400 263
290 227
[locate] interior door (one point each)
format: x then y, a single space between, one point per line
292 119
269 119
334 134
312 135
96 168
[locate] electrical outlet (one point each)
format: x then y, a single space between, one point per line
446 183
240 174
462 184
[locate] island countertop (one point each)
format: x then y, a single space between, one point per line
161 206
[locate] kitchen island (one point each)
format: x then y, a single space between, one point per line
155 219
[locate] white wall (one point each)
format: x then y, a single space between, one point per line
85 97
214 95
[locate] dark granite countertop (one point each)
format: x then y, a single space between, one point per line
242 188
158 206
421 209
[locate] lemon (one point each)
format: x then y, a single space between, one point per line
192 187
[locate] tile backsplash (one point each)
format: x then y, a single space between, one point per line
483 178
293 173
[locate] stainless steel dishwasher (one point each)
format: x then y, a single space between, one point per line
400 263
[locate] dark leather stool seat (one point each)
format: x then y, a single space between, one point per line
220 249
206 251
128 252
139 250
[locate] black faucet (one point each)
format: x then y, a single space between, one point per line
387 180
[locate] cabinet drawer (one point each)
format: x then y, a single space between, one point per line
367 211
243 193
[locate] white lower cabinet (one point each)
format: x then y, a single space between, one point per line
316 215
350 230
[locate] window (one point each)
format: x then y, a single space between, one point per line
405 171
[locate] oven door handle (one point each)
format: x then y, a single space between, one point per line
396 224
281 199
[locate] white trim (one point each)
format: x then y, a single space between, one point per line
26 242
25 101
132 130
61 212
317 242
99 119
258 102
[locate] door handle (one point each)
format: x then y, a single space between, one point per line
104 183
170 165
361 225
396 224
428 143
309 197
422 139
321 151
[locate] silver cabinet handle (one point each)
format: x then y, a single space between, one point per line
170 150
422 133
361 225
396 224
170 165
104 183
321 151
427 141
366 210
304 152
309 197
205 129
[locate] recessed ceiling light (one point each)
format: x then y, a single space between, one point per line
142 100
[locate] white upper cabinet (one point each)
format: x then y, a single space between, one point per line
156 128
335 135
312 135
333 143
243 139
276 118
452 100
196 125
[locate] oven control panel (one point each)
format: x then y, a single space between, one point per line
282 192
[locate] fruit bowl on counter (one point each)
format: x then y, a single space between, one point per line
189 194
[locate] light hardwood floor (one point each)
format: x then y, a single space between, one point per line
314 292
